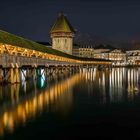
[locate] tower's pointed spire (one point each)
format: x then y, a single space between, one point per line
62 25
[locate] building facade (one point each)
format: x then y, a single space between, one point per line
62 34
86 51
117 56
133 57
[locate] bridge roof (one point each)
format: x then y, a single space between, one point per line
10 39
14 40
62 25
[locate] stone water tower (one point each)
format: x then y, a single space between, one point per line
62 34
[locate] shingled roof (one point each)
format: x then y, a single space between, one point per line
62 25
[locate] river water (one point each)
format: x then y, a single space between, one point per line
88 104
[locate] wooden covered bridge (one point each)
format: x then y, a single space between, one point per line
17 53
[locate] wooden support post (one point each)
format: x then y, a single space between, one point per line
56 70
63 69
46 69
45 72
17 75
51 71
67 69
11 79
39 72
70 69
27 74
59 70
34 73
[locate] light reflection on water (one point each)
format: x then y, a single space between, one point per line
17 111
116 82
20 103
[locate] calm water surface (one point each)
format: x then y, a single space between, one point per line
85 105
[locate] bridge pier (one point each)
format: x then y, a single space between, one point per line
11 78
12 73
47 71
17 75
59 69
28 74
39 72
34 73
54 70
62 69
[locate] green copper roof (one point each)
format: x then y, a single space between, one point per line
62 25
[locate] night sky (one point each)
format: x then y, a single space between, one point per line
113 19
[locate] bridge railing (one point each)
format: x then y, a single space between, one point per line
7 60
